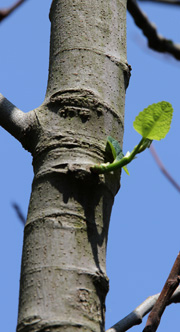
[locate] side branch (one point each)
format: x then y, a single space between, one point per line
155 41
12 119
7 11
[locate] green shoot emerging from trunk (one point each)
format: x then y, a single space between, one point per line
153 123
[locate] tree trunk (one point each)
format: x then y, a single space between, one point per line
63 275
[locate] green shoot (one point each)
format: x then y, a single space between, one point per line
153 123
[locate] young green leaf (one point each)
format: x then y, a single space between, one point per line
154 121
114 148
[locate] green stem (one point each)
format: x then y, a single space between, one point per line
104 168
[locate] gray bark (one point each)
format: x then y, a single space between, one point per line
63 275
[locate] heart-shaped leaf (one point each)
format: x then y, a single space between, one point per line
154 121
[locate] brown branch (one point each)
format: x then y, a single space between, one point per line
163 169
135 317
155 41
170 286
7 11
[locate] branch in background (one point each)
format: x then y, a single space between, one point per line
155 41
7 11
136 316
163 169
170 286
19 213
167 2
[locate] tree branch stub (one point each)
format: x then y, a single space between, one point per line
16 122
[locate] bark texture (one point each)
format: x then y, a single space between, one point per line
63 278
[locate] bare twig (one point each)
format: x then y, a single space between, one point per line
7 11
155 41
136 316
163 169
171 284
19 213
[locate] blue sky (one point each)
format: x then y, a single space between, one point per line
144 231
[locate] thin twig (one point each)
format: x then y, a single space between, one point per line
163 169
19 213
170 286
136 316
155 41
7 11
